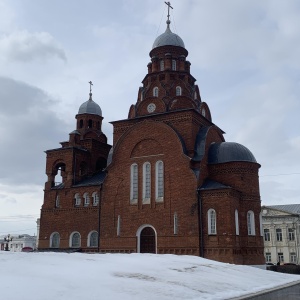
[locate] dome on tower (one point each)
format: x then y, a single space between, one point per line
168 38
228 152
90 107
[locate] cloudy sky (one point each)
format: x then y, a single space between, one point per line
245 56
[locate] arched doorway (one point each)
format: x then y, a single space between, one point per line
147 240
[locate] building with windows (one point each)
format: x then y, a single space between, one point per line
281 228
19 243
169 184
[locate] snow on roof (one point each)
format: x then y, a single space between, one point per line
80 276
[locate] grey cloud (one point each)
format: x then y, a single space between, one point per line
25 46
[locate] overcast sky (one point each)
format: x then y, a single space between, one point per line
244 55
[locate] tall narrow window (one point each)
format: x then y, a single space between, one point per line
279 235
75 240
280 257
162 65
86 199
178 91
261 225
211 217
119 226
268 257
250 222
54 240
155 92
93 239
77 199
134 184
175 223
237 227
90 123
267 236
57 201
159 181
95 199
293 257
146 183
173 64
291 234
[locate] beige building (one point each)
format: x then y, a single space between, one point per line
281 230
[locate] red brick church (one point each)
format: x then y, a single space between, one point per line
169 184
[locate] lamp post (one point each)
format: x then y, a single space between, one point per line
7 239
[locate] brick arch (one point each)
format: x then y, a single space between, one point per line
57 164
146 147
142 106
182 102
207 111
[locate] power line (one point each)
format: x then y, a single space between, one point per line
17 230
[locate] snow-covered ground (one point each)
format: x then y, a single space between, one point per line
77 276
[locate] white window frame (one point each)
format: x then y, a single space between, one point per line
95 199
155 91
146 187
280 257
90 239
291 233
174 64
268 257
86 199
237 225
267 235
51 239
162 65
178 91
279 237
134 183
293 257
159 181
71 240
250 223
212 221
77 199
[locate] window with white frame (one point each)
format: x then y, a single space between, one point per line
291 234
77 199
293 257
86 199
173 64
95 199
133 183
155 91
279 235
268 257
159 181
212 222
178 91
75 240
93 239
162 65
146 183
54 240
237 226
280 257
250 222
267 235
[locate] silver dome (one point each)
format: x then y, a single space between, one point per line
168 38
90 107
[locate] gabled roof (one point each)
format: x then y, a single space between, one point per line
212 185
289 208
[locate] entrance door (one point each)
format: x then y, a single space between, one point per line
147 241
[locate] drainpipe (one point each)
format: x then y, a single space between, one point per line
200 225
99 215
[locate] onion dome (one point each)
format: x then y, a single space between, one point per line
90 107
228 152
168 38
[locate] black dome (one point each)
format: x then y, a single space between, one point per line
227 152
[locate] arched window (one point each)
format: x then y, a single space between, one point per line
173 64
146 183
237 227
77 199
93 239
162 65
250 222
57 201
86 199
133 183
155 92
159 181
81 123
54 240
75 240
195 95
178 91
211 217
95 199
90 123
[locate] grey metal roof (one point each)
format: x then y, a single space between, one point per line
228 152
200 144
290 208
90 107
168 38
94 180
212 185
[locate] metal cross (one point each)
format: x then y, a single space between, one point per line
90 86
169 6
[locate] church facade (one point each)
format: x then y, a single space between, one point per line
169 184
